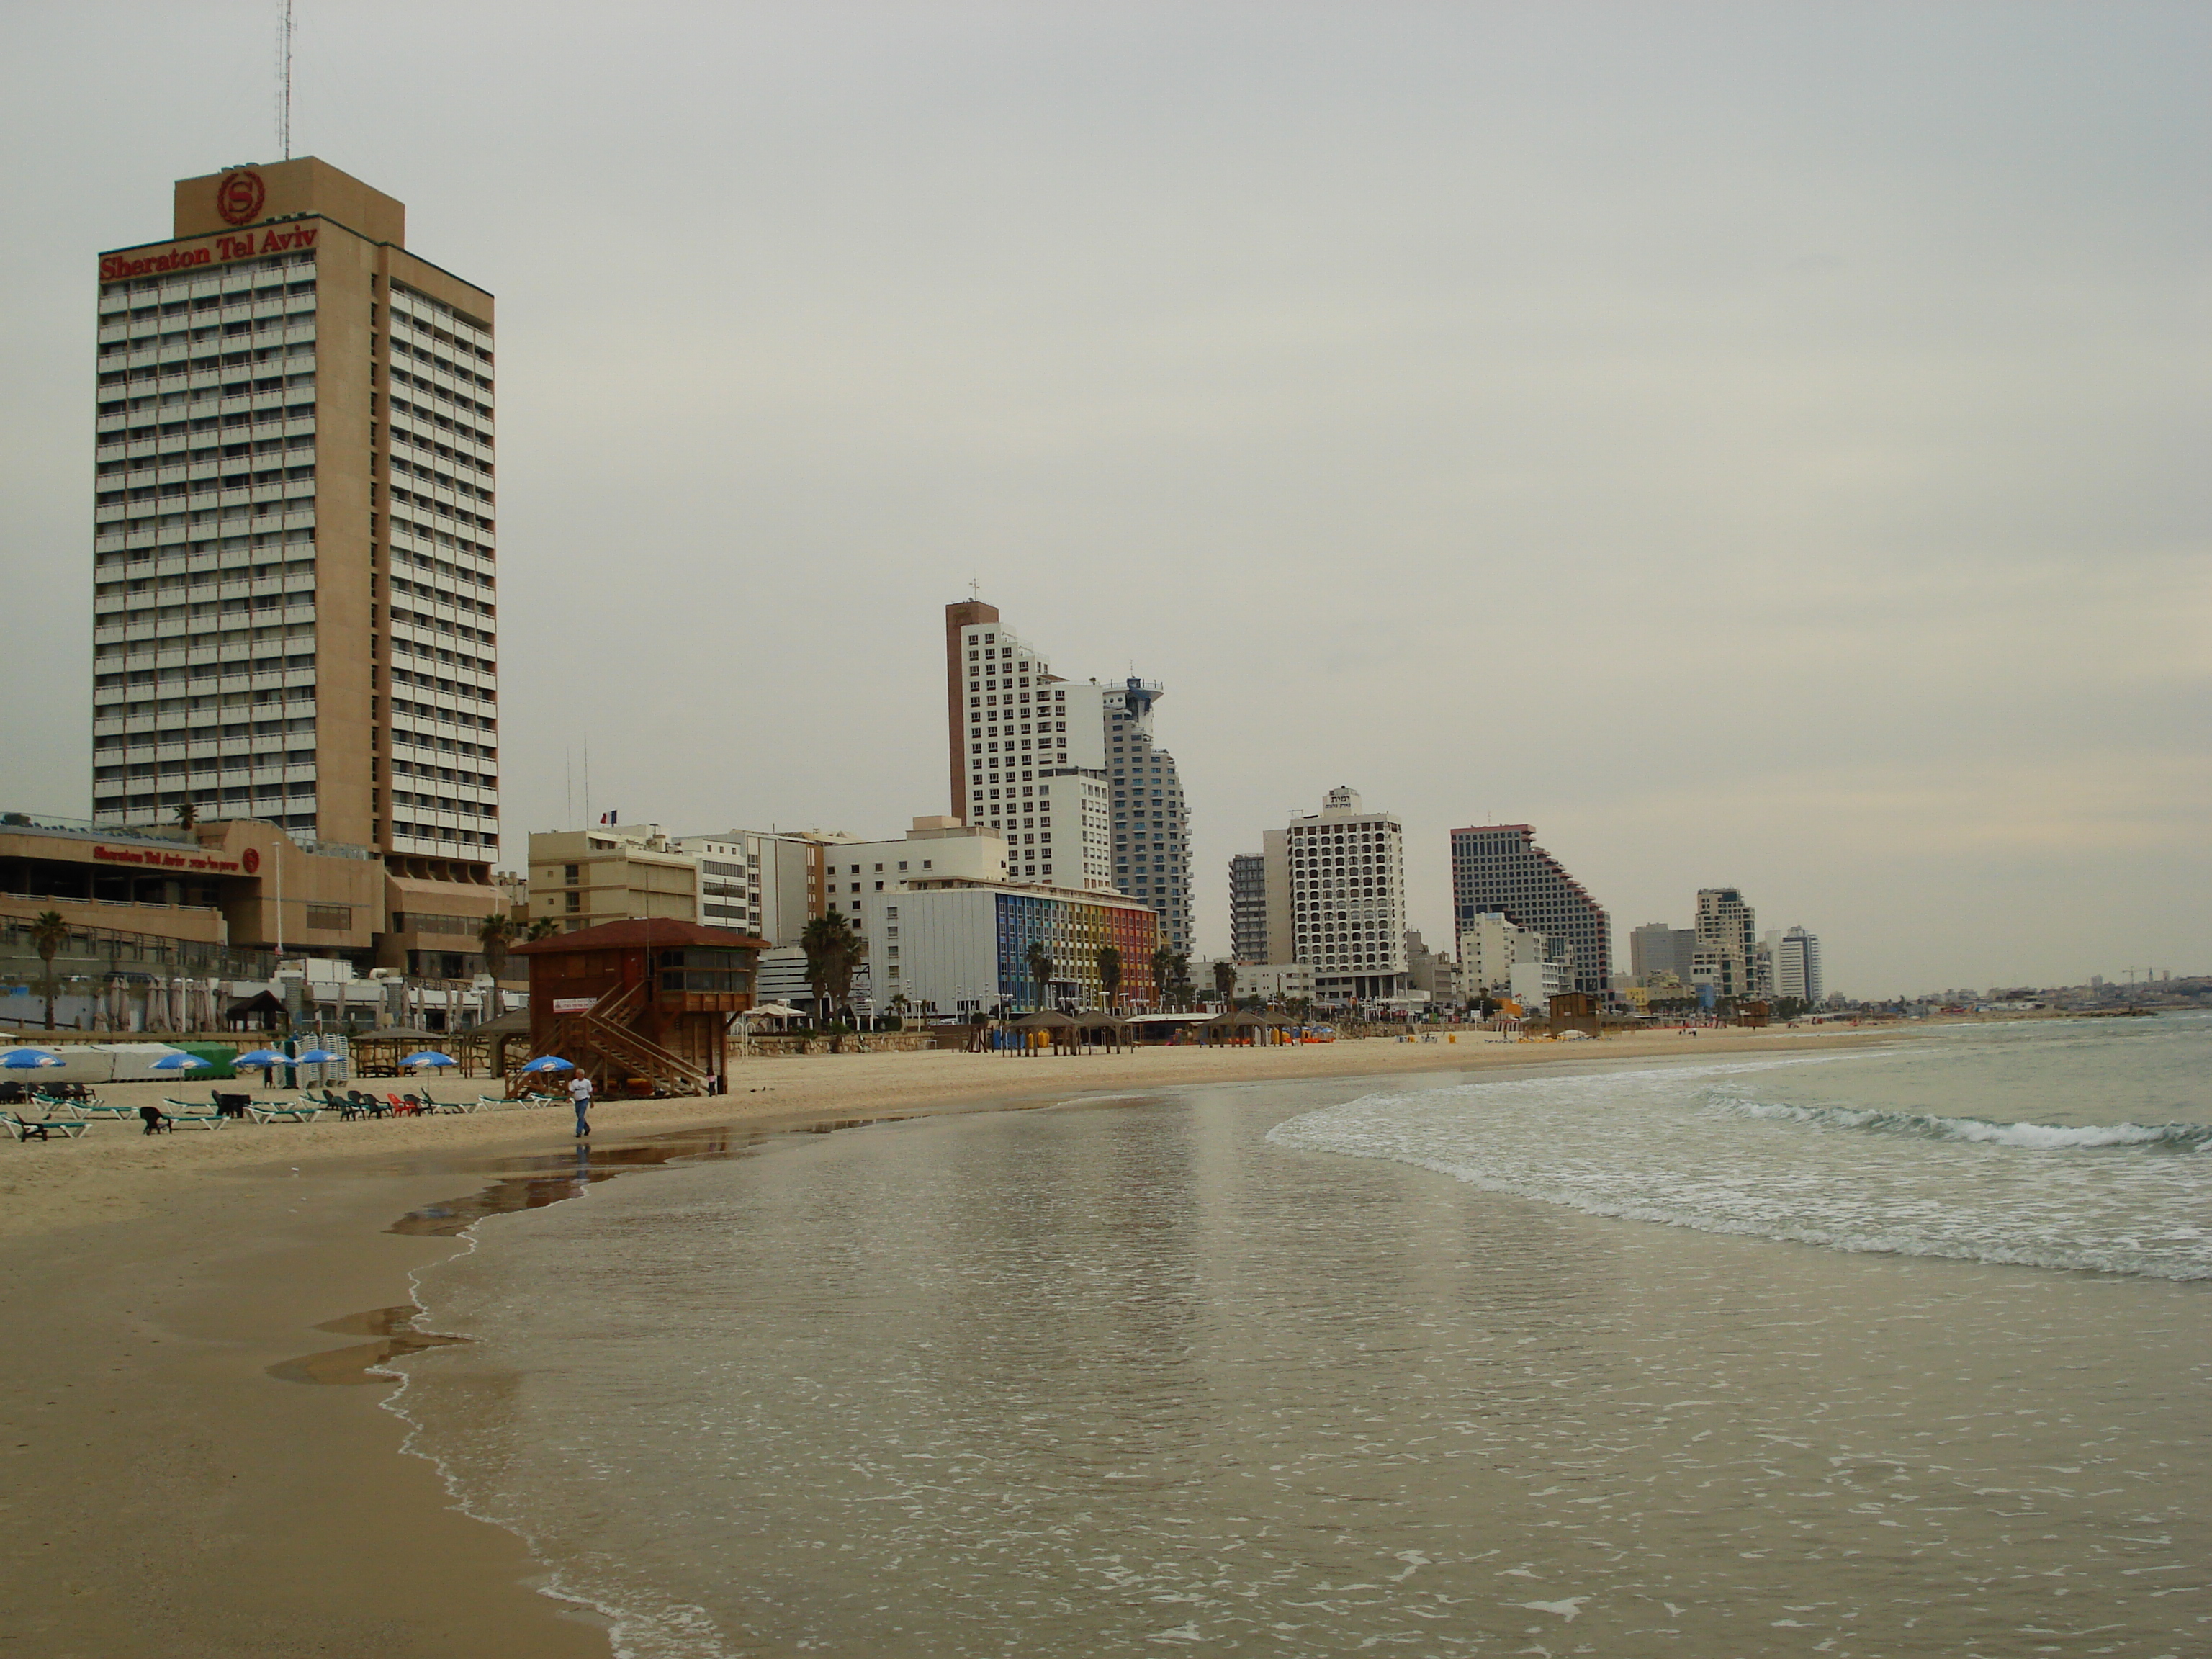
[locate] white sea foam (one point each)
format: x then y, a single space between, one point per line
2032 1137
1683 1147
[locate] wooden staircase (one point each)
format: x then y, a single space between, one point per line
601 1042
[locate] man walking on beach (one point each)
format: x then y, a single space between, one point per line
580 1092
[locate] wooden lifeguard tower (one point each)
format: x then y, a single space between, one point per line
647 1001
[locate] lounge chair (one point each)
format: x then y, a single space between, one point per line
488 1104
114 1113
285 1111
41 1128
189 1116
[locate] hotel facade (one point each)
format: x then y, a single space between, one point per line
1500 867
296 594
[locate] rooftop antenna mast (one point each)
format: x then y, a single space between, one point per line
285 78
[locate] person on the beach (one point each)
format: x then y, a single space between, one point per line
579 1094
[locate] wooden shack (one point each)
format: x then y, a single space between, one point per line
1574 1011
642 1006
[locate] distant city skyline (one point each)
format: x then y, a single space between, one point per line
1615 431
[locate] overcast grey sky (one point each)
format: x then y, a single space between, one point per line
1760 445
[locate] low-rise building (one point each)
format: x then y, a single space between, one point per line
949 945
1275 981
243 885
1534 984
612 872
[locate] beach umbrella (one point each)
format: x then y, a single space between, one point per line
24 1060
180 1061
261 1058
319 1057
430 1057
551 1063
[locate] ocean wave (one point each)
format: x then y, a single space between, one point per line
1674 1148
2033 1137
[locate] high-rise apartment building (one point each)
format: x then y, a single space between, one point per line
1656 948
295 594
1797 967
1248 907
1029 752
1345 868
1033 754
1728 926
1151 820
1500 867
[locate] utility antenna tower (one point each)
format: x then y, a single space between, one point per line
285 78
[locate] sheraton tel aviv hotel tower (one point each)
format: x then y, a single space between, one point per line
295 597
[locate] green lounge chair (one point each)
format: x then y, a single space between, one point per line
36 1129
186 1115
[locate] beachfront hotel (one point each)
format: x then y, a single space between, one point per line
295 594
1033 756
1498 866
1344 869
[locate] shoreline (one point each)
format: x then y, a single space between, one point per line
180 1485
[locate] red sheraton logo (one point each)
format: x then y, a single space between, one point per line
239 196
224 249
154 860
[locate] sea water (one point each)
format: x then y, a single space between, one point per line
1900 1353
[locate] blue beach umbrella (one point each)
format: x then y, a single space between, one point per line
319 1057
24 1060
430 1057
551 1063
261 1058
180 1061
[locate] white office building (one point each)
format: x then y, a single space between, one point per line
1797 967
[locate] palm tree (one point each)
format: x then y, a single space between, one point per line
1163 973
824 940
848 962
1110 974
543 928
1225 982
497 931
1040 966
187 815
49 933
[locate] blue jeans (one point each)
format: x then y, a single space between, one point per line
583 1108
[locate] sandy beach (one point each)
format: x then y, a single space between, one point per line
174 1485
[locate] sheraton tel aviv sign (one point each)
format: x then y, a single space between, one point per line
239 198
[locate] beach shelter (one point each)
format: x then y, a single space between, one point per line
1242 1025
377 1054
1064 1035
262 1011
1104 1031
